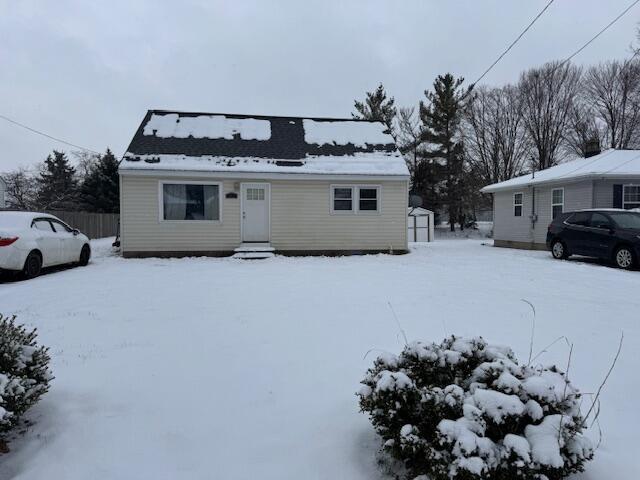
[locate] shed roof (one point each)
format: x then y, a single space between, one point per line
193 141
608 164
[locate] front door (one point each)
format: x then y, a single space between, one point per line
255 212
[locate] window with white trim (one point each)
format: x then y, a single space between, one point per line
630 196
518 199
557 202
355 199
190 201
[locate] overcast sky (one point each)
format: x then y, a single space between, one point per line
87 71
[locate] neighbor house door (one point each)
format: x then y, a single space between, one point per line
255 206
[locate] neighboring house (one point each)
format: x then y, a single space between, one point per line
524 206
212 184
3 193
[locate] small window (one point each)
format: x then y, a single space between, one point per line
599 220
343 199
191 201
60 227
517 204
582 219
630 196
368 199
255 193
557 202
43 225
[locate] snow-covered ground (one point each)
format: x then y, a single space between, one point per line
231 369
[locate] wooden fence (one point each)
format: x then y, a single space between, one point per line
93 225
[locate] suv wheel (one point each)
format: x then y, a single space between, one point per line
32 265
558 250
623 258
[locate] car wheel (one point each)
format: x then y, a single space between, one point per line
85 254
623 258
32 265
558 250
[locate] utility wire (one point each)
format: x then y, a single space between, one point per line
33 130
623 13
514 43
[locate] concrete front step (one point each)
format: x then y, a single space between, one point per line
253 255
254 247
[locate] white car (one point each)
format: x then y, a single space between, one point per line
30 241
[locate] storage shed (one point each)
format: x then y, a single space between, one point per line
420 225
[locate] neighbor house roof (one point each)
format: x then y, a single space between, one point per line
608 164
216 142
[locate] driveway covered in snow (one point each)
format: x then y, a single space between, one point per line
221 368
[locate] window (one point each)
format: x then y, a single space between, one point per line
255 193
191 201
43 225
60 227
557 202
343 199
355 199
599 220
581 219
517 204
630 196
368 199
626 219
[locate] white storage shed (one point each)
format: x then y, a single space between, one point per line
420 225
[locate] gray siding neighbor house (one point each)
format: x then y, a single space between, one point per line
524 206
214 184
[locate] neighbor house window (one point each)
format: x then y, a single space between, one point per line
557 202
368 199
355 198
517 204
631 196
190 201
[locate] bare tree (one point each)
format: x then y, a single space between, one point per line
548 95
613 90
583 127
496 140
22 189
409 137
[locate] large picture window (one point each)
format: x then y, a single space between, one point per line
631 196
557 202
190 201
355 199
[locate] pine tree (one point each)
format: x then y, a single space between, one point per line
441 116
57 184
100 189
377 107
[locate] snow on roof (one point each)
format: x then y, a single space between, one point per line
344 132
214 142
358 164
609 164
207 126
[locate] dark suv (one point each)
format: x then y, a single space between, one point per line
609 234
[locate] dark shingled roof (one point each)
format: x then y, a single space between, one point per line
287 141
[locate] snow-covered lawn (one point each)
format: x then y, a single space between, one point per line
218 368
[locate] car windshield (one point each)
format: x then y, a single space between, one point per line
626 220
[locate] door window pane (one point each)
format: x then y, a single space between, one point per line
581 218
255 193
191 202
43 225
598 220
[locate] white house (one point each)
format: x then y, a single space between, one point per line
212 184
524 206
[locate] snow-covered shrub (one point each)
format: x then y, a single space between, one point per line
24 372
465 409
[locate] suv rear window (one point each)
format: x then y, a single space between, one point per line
580 218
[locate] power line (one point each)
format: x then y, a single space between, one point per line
33 130
514 42
568 59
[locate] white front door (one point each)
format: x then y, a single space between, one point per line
255 212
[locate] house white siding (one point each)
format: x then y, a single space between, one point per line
301 219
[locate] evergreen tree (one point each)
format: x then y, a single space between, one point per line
441 116
100 190
377 107
57 184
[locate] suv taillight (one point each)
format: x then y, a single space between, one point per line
6 241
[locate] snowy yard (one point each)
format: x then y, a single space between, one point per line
221 368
